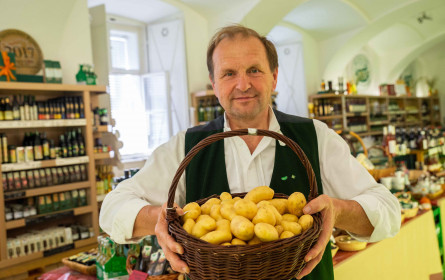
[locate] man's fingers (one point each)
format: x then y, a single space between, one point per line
316 205
175 262
310 266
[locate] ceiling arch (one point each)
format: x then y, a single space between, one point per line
359 10
256 18
410 57
344 55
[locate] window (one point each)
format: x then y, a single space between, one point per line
149 107
127 95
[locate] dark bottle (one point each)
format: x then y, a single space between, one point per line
63 147
74 144
2 109
76 108
201 111
47 114
69 144
71 106
81 108
209 110
8 110
38 153
15 108
41 110
62 110
45 146
81 142
51 111
52 149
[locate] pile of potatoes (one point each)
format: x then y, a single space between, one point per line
256 218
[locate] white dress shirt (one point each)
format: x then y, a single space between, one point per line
342 177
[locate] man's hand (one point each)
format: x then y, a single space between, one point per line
169 245
325 205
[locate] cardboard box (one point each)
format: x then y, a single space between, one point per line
7 67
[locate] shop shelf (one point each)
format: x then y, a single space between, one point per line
32 219
42 123
43 163
104 155
329 117
11 195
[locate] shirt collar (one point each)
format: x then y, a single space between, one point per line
273 122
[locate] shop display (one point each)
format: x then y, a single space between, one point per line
111 260
47 157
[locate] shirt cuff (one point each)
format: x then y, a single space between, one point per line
385 219
123 223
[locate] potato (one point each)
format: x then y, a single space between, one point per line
265 215
236 241
254 240
205 208
188 225
290 218
280 204
217 237
296 203
193 211
279 229
204 224
262 203
266 232
277 214
227 211
228 201
237 198
226 244
245 208
225 196
286 234
215 212
242 228
293 227
223 224
306 222
260 193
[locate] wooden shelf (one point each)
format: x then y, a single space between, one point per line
22 222
378 122
51 88
48 190
100 197
357 114
35 260
103 155
329 117
43 163
102 128
42 123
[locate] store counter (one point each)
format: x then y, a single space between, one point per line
412 254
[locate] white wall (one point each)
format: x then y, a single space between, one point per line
61 28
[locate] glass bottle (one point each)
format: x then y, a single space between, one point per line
8 110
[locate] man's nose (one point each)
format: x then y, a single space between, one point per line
243 83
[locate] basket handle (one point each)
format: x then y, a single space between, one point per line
171 212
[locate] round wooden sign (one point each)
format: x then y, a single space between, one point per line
28 56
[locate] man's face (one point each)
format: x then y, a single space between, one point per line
243 81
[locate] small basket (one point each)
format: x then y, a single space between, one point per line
281 259
129 267
84 269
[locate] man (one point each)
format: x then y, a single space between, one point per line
243 70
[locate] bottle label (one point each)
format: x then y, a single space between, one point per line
392 147
8 116
424 144
38 153
46 150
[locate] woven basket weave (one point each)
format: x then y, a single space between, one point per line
281 259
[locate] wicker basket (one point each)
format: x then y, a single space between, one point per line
281 259
84 269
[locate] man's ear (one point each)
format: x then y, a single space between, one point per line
275 78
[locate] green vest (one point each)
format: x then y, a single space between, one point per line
206 173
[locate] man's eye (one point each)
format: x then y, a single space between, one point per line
254 71
229 74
